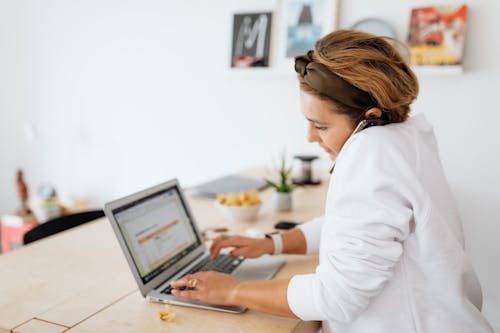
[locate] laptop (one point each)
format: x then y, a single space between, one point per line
228 184
162 242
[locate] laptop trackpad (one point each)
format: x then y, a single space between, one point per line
262 268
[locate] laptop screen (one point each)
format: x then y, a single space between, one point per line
158 231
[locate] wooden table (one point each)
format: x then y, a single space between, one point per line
78 280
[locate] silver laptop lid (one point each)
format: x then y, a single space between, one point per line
157 232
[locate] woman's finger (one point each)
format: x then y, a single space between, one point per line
213 247
183 281
191 294
219 244
242 251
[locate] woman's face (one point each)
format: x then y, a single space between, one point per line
329 129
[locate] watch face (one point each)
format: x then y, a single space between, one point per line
374 26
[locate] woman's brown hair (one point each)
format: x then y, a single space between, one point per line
371 64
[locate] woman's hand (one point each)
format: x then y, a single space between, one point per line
243 246
224 289
210 287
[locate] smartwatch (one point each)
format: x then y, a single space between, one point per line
277 240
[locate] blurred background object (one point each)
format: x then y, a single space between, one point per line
304 175
45 204
375 26
22 191
59 224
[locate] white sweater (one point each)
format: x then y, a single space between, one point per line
391 248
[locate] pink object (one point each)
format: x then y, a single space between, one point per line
14 235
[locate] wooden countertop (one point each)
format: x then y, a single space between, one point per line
78 280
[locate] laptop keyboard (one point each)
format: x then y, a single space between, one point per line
223 263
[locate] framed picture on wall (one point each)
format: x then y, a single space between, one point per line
251 39
302 22
436 35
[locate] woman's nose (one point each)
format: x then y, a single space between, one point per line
312 135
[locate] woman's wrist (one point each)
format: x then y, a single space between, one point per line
277 242
268 245
234 298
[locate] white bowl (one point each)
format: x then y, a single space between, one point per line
240 213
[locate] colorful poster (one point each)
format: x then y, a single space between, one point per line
436 35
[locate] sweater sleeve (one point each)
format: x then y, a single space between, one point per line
312 232
367 220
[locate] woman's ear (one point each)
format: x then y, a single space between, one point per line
373 113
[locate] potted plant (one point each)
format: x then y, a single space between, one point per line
282 199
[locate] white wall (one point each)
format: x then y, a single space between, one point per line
125 94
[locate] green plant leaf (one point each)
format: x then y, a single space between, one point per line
272 184
283 184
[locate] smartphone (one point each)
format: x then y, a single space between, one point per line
285 225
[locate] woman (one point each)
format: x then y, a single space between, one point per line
390 242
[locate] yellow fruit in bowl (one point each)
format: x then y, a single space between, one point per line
242 206
249 198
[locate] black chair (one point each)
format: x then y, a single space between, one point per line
59 224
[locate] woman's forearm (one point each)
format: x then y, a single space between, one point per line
264 296
271 296
294 242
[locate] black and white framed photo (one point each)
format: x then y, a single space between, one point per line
302 22
251 39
